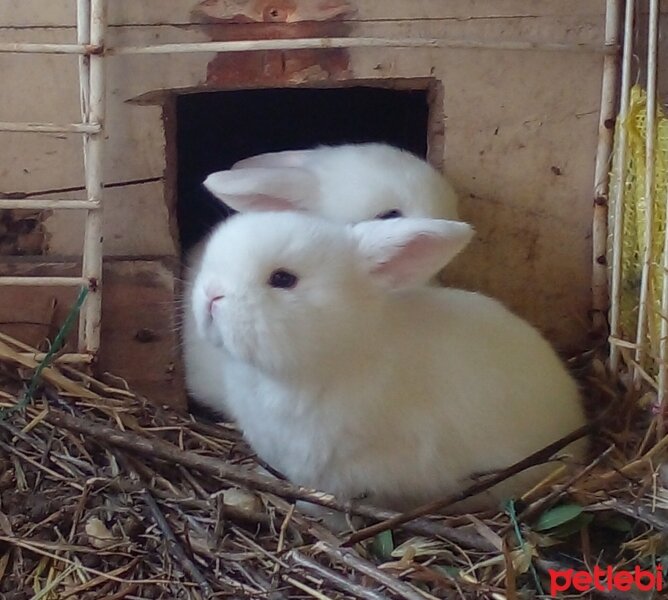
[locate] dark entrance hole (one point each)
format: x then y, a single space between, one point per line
216 129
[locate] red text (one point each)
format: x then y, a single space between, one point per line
605 580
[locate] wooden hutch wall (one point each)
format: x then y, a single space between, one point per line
516 132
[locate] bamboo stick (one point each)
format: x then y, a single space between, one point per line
48 204
83 37
50 127
41 281
89 324
28 48
619 172
70 358
603 151
610 48
650 127
88 49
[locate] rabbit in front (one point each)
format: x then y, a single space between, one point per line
349 375
346 183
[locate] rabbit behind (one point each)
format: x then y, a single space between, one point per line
350 376
347 183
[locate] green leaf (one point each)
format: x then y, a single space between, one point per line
557 516
572 526
382 545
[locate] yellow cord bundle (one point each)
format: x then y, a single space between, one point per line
634 239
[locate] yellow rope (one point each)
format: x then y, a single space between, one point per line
635 218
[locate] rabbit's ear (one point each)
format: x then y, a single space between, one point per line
264 189
273 160
402 253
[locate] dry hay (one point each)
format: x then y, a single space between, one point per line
103 495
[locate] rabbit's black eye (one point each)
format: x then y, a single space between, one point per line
395 213
283 279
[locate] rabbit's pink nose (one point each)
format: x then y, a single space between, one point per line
213 300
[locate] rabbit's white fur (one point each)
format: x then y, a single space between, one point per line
347 183
359 380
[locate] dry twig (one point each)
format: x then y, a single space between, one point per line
174 545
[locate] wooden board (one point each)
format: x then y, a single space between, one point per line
35 13
518 128
139 339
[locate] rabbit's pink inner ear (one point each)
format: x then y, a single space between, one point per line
288 158
259 203
263 189
402 253
411 263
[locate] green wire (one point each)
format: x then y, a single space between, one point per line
510 509
46 361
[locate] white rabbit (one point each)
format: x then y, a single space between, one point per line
347 183
350 376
